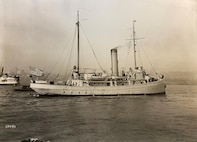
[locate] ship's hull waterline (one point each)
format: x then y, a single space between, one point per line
8 83
11 83
157 87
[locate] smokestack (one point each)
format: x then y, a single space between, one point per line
114 61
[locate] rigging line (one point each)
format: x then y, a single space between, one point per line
139 55
56 77
53 67
149 61
46 76
92 49
69 55
128 53
69 74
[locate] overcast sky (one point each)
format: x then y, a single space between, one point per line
40 32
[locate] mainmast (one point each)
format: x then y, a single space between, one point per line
134 43
77 41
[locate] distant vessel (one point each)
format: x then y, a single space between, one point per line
132 82
5 79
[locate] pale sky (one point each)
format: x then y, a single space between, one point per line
39 32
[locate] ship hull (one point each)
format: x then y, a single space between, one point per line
157 87
6 80
8 83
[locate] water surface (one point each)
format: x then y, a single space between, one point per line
171 117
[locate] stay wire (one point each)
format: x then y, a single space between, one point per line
58 59
149 61
92 49
73 37
139 55
69 57
128 53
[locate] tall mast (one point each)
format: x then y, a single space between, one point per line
77 41
134 43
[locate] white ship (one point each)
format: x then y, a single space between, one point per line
132 82
5 79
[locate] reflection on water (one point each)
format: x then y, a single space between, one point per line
170 117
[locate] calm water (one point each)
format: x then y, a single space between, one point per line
169 118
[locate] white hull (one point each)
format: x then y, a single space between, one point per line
8 81
157 87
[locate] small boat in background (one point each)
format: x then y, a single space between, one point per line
6 79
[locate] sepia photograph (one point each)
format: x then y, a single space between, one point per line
98 71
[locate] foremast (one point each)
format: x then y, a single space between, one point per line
134 44
78 51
